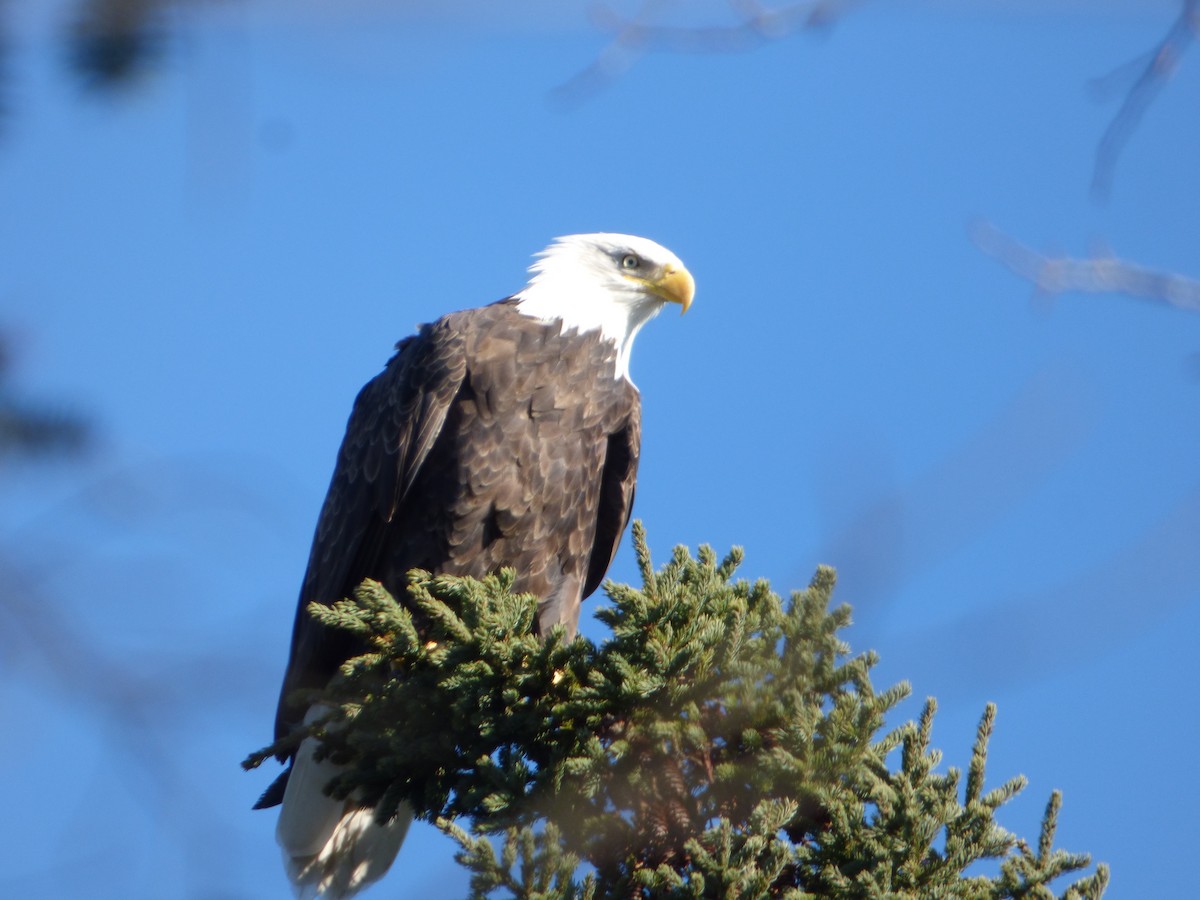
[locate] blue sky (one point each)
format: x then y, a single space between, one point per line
214 261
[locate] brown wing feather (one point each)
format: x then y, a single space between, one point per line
616 493
396 419
491 439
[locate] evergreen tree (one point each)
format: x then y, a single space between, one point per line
720 744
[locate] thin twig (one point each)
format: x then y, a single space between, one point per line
1087 275
1156 67
634 37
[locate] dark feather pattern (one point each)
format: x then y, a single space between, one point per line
490 439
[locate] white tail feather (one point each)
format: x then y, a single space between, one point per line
332 849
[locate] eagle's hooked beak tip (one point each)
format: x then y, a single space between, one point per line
677 286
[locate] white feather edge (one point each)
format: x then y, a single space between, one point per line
332 849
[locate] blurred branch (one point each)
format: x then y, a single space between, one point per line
1100 274
1154 69
898 529
139 708
1159 566
111 41
29 431
34 431
80 631
633 38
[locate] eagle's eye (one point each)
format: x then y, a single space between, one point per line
630 261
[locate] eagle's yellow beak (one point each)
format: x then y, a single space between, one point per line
675 285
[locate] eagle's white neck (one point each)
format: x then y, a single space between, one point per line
567 287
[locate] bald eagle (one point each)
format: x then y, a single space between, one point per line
506 435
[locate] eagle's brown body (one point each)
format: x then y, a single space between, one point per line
491 439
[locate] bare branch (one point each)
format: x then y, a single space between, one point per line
1156 67
1100 274
634 37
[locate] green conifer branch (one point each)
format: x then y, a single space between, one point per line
721 743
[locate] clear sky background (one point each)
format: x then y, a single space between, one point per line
212 261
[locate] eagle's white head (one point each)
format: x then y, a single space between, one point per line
612 282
